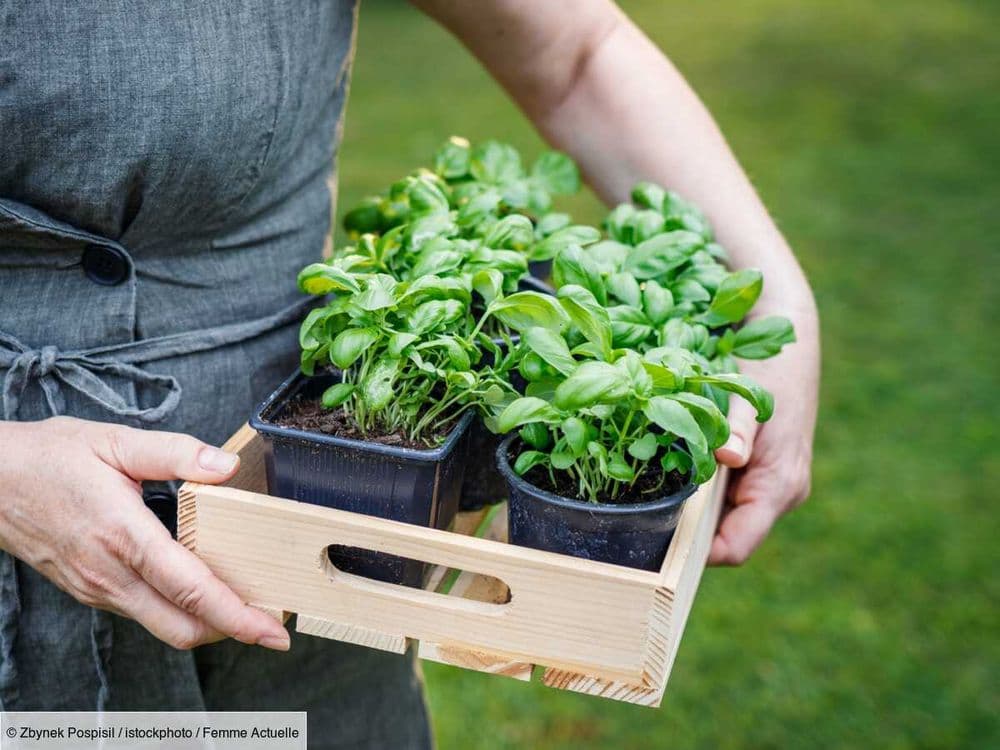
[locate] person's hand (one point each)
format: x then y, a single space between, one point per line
772 461
71 507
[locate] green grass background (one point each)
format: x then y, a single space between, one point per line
870 616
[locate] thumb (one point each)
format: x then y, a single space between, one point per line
742 433
148 454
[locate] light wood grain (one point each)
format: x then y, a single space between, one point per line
597 628
351 634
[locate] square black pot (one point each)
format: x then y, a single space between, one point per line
421 487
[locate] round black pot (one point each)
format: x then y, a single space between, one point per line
421 487
636 536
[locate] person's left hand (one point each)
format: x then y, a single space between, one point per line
771 461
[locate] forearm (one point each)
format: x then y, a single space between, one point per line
597 88
631 116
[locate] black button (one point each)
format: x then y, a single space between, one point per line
105 265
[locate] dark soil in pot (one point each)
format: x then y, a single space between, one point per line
316 456
633 534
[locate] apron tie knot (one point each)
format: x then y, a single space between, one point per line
80 371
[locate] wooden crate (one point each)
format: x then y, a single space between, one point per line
586 626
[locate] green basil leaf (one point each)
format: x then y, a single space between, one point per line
573 266
312 327
736 295
336 394
661 254
378 294
508 262
592 383
536 435
528 460
676 461
676 332
351 344
664 379
544 388
673 418
525 310
618 467
514 232
577 435
561 460
708 416
761 400
525 410
649 195
495 163
589 317
399 341
629 326
321 278
657 302
377 387
644 448
625 289
550 223
600 453
556 242
617 223
762 338
478 208
436 287
551 347
532 367
365 217
435 314
557 173
632 364
608 256
488 283
436 257
458 357
426 196
452 160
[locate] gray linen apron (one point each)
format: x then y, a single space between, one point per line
164 171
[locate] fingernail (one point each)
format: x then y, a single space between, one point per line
212 459
736 445
276 642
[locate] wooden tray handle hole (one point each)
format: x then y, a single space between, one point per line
364 567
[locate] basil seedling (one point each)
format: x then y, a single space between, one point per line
606 416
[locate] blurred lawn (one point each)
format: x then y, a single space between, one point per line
870 617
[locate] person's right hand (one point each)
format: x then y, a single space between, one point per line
71 507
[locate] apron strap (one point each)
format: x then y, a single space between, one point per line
86 371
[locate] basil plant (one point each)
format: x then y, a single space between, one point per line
413 355
664 282
604 415
474 200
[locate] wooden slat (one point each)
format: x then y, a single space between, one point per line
351 634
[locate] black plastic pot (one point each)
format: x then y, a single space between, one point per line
482 485
421 487
636 535
540 269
